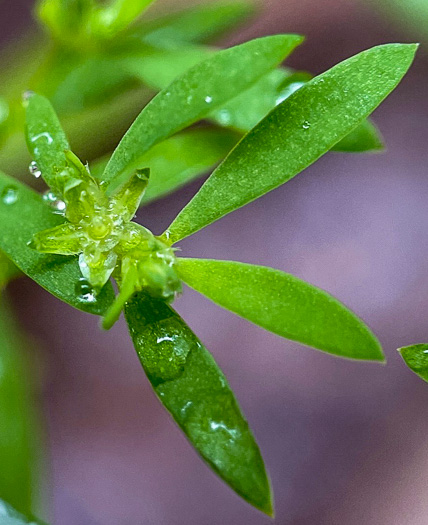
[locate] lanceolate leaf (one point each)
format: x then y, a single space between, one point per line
190 97
194 390
22 214
296 133
158 68
18 429
283 304
416 358
46 139
199 23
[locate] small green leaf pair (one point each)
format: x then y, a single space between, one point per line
297 132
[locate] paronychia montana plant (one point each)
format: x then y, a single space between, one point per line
266 125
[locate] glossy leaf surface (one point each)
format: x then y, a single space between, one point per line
22 214
193 389
416 358
193 95
296 133
245 111
283 304
46 139
18 432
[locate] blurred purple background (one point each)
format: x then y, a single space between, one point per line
345 442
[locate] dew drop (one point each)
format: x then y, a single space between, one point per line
189 99
306 124
27 95
34 169
9 195
208 99
45 135
84 291
57 205
224 117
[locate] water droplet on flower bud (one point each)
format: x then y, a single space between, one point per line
9 195
34 169
57 205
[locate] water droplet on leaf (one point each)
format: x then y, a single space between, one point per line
57 205
45 135
208 99
306 124
9 195
34 169
84 291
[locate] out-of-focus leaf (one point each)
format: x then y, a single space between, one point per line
8 270
9 516
199 23
190 97
411 15
193 389
295 134
416 358
116 16
181 158
46 139
18 431
67 20
95 79
157 68
283 304
22 214
365 137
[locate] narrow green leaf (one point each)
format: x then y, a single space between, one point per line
190 97
296 133
46 139
22 214
193 389
416 358
18 428
199 23
247 109
283 304
158 68
9 516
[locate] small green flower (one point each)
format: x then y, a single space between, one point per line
100 230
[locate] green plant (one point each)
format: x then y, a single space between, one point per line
80 233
